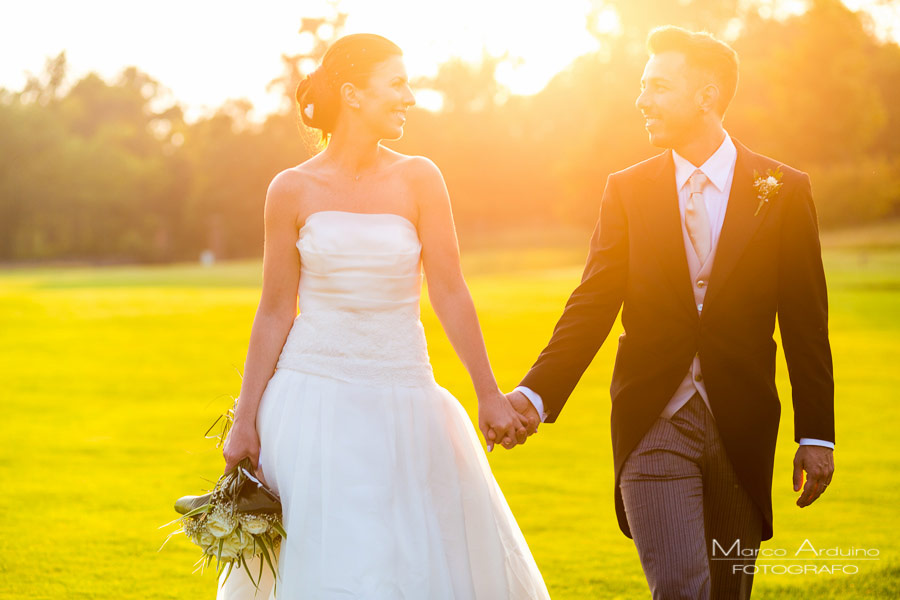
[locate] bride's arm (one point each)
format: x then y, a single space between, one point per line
274 316
453 304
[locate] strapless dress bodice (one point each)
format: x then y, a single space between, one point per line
359 292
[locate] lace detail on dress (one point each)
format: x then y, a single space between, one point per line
378 348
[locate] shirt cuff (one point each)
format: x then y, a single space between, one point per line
815 442
535 399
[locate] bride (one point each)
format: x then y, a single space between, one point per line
386 491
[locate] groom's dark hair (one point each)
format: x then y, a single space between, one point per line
702 51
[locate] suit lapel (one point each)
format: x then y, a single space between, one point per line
740 223
663 219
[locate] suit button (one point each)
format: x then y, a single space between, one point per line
701 284
698 377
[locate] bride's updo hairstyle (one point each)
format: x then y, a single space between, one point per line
350 59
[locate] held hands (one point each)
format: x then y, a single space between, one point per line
818 462
499 422
508 420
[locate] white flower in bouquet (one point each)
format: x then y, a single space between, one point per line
203 538
232 546
220 522
251 548
248 541
254 524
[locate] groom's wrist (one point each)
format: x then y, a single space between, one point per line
535 400
815 442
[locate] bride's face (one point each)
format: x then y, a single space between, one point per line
384 100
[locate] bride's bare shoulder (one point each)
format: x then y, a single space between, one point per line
299 175
294 181
416 168
425 182
289 189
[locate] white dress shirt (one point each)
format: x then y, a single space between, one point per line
719 169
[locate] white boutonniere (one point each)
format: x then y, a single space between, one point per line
766 187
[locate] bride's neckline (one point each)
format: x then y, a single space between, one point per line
361 214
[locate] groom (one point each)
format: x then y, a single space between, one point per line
701 246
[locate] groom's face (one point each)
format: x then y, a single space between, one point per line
670 100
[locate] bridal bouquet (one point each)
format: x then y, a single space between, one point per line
238 520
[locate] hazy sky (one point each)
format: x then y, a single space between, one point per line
207 51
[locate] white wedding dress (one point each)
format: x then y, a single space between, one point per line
385 488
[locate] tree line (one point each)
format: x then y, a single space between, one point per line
111 170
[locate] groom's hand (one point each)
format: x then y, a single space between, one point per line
525 408
818 462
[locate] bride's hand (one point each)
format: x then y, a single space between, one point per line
242 441
500 422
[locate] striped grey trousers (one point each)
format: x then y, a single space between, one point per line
681 494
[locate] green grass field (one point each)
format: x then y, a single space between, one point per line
110 377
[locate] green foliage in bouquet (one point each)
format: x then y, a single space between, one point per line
236 521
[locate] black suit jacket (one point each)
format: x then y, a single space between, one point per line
765 264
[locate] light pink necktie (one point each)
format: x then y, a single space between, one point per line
696 219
